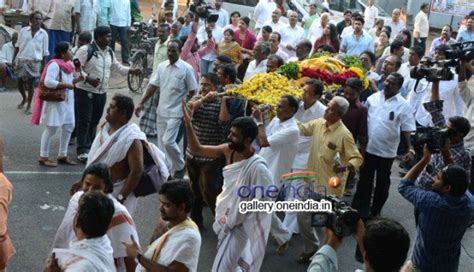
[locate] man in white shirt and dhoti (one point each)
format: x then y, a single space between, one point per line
97 177
242 237
92 251
278 142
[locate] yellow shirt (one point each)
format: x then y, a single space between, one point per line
321 157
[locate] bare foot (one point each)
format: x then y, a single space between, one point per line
21 105
28 111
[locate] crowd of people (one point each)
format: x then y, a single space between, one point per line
356 134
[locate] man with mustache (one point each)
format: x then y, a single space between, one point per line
242 238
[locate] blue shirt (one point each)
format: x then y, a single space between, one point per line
443 220
325 260
354 46
465 36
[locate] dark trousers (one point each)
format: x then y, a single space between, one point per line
204 178
89 107
421 44
374 167
122 34
471 185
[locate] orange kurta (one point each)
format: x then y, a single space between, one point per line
6 247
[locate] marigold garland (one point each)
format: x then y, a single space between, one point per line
267 88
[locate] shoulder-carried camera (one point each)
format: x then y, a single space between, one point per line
461 51
433 137
342 219
433 70
203 10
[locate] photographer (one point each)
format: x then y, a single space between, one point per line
384 243
449 92
467 95
445 213
452 149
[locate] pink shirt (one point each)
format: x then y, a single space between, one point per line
194 59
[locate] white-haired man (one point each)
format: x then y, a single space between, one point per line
329 138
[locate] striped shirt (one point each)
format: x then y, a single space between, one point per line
459 152
206 125
443 220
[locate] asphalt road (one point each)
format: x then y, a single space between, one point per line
41 195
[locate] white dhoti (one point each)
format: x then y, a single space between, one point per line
131 201
242 238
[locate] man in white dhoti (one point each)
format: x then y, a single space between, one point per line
92 250
309 109
120 145
179 241
242 237
279 145
96 177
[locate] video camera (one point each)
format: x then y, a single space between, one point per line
203 10
461 51
342 220
433 137
433 70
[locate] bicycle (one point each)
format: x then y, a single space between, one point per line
142 48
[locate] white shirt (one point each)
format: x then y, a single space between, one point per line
175 82
404 70
315 31
396 28
263 12
120 13
370 14
384 133
282 54
453 104
291 36
276 27
422 24
32 48
348 30
6 55
283 140
223 19
218 36
181 246
89 10
304 142
254 69
406 53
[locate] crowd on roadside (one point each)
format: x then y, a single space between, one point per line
357 135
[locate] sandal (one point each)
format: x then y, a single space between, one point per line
66 160
47 163
305 257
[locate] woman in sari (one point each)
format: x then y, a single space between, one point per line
382 42
230 48
246 39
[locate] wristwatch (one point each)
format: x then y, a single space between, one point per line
121 198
